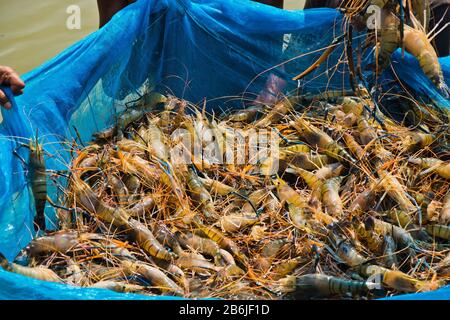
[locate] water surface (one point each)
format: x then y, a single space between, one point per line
33 31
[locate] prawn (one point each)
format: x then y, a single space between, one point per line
157 278
317 138
331 198
321 285
438 166
147 241
40 273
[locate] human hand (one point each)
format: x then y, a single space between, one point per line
10 78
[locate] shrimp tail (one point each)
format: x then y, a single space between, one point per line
444 89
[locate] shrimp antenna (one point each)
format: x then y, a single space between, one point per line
437 25
438 32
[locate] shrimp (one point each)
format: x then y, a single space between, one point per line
226 257
255 199
129 116
198 160
276 113
90 162
321 285
124 120
157 278
401 236
366 131
166 237
100 273
403 219
444 216
396 191
313 182
397 280
119 188
128 145
152 136
117 249
419 45
200 244
329 171
219 141
438 231
200 194
331 198
351 105
283 268
133 185
340 116
296 203
65 219
231 271
118 286
39 273
196 263
273 248
245 115
353 146
346 251
364 232
437 166
37 177
176 273
75 275
418 140
434 209
217 187
135 165
223 242
147 203
317 138
59 242
235 222
91 203
390 40
269 252
407 222
165 121
150 174
147 241
389 248
309 161
362 201
294 150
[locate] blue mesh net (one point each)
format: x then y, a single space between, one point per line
221 52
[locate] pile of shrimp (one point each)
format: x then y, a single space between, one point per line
352 204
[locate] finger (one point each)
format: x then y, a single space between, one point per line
4 100
17 90
10 78
16 84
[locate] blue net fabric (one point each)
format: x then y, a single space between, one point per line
221 52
